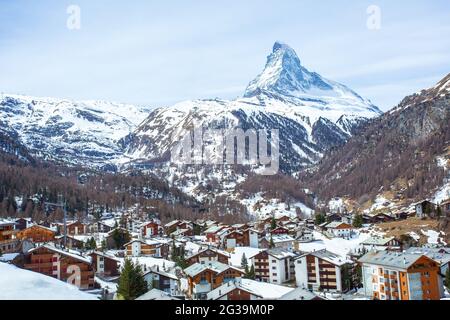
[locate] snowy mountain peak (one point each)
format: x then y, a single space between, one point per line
285 76
286 53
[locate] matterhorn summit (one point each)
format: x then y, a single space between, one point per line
311 113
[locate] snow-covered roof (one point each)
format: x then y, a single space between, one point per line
441 255
299 294
377 241
179 232
171 223
156 294
215 266
336 224
330 257
214 229
391 259
221 252
144 241
42 227
69 253
279 238
150 262
161 272
4 222
106 255
261 290
279 253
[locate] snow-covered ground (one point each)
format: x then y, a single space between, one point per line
443 193
110 286
336 205
434 237
380 203
267 291
338 246
19 284
414 235
7 257
261 207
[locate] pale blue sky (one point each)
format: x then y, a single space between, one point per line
161 52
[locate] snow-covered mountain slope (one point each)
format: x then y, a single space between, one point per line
285 76
76 132
399 158
311 113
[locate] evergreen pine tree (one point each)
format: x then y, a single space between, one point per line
358 221
124 288
273 224
174 254
181 260
246 272
131 282
244 262
319 218
438 212
140 284
252 273
271 244
447 279
103 245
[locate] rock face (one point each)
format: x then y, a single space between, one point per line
84 133
311 113
404 152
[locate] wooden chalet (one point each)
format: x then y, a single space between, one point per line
202 278
138 247
23 223
62 265
71 242
8 241
445 206
37 234
261 262
280 230
105 265
150 229
425 209
162 280
207 255
75 228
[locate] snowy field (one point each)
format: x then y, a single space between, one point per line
19 284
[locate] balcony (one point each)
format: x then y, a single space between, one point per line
43 265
